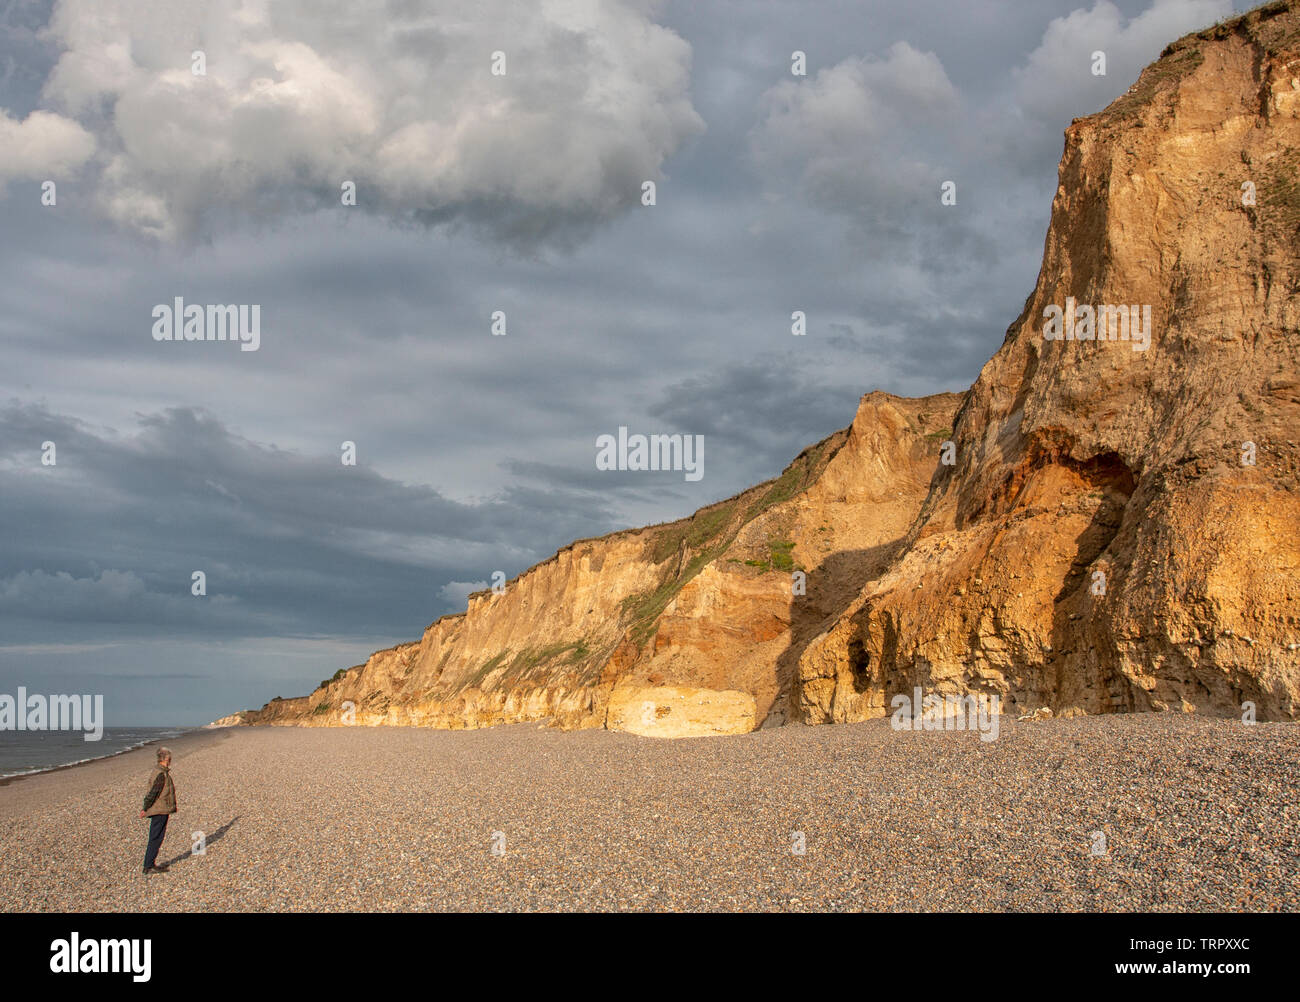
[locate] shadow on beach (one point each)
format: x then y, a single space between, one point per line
212 840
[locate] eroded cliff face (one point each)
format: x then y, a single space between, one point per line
688 628
1100 544
1096 545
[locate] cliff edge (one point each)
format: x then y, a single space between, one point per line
1106 521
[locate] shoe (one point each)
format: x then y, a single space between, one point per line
157 868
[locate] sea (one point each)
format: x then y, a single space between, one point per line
26 752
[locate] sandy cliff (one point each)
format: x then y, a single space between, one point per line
1097 544
692 627
1100 544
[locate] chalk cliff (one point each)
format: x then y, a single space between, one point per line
1118 529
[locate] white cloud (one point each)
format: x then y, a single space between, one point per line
301 95
1056 83
847 138
44 146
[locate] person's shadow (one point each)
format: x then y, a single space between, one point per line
208 842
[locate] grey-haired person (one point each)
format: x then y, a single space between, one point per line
159 805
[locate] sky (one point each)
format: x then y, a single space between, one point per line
497 154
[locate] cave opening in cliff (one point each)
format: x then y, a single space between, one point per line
859 665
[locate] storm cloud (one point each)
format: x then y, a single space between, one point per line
479 197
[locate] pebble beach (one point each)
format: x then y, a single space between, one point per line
1147 812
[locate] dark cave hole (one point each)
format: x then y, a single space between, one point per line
859 665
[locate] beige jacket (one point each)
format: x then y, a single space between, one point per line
161 798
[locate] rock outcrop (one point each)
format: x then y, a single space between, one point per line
1121 529
1116 530
703 618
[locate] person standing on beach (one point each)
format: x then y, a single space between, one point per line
159 803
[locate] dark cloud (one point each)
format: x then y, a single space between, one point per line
476 453
114 531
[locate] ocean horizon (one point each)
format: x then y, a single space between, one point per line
23 753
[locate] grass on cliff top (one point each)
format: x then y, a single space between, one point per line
1267 24
325 682
706 527
693 532
698 540
706 536
1155 78
795 478
1273 26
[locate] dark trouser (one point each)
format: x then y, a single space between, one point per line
157 829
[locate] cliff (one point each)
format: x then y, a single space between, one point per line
692 627
1117 530
1103 542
